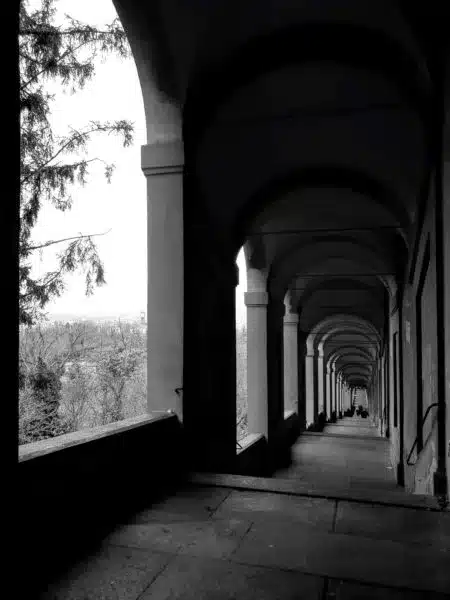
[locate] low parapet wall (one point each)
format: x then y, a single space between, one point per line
252 456
74 488
259 458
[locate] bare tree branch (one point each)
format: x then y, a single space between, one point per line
76 237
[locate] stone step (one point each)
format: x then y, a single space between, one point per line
368 495
352 435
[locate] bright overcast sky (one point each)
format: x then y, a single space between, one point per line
114 93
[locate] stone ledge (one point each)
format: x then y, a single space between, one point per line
345 436
288 414
252 458
256 298
163 156
68 440
249 440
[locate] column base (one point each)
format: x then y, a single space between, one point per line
440 488
401 474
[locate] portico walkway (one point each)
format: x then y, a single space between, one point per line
348 455
221 537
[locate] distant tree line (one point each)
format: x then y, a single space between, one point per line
80 375
241 382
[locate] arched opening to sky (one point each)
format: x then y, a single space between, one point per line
118 208
241 349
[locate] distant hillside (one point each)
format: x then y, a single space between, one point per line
64 317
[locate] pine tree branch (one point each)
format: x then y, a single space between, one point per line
75 31
76 135
76 237
46 283
28 57
70 51
59 60
67 54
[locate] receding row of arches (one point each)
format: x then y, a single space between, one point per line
316 137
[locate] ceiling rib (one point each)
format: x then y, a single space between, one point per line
323 230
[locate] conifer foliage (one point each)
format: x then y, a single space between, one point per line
65 55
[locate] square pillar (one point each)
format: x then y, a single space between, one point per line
162 164
328 393
320 382
309 387
333 390
290 345
257 401
339 395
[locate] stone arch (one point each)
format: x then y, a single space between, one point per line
339 319
378 52
339 331
316 249
322 176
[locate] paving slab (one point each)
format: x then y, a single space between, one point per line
352 467
394 495
215 538
190 502
393 523
381 562
111 574
189 578
346 430
352 435
345 590
254 506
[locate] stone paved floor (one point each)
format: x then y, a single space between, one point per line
349 454
219 543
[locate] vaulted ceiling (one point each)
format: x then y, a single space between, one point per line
307 127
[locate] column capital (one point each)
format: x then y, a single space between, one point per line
260 298
162 158
291 319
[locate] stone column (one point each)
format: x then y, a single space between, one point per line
275 379
256 303
320 386
162 164
383 399
290 344
376 404
309 387
380 397
339 393
333 389
445 265
328 393
369 398
301 378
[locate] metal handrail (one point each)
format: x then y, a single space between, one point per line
417 436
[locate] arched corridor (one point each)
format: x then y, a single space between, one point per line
328 165
315 136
